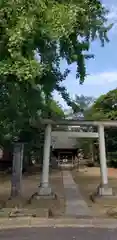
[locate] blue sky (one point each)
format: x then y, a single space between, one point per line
102 69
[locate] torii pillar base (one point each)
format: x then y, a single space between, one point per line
105 191
45 193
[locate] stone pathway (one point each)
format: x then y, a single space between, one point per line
75 204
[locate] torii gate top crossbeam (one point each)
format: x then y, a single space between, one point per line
108 123
62 134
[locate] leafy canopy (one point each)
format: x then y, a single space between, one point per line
105 107
34 36
53 29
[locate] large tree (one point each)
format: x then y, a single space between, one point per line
34 37
47 30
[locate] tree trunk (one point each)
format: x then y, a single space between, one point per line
17 169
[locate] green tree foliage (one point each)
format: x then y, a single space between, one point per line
56 110
82 104
17 112
84 101
105 108
18 104
53 29
34 36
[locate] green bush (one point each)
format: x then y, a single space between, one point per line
112 159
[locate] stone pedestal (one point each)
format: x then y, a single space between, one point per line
105 191
44 191
17 169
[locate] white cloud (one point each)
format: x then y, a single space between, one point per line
98 78
112 16
101 78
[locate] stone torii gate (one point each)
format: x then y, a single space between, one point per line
45 188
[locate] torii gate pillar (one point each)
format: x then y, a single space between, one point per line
45 189
104 190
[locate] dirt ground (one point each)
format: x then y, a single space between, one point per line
30 186
88 180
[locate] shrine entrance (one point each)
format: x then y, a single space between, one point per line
97 126
65 145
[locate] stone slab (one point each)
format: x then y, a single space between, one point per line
105 191
44 191
23 212
75 204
